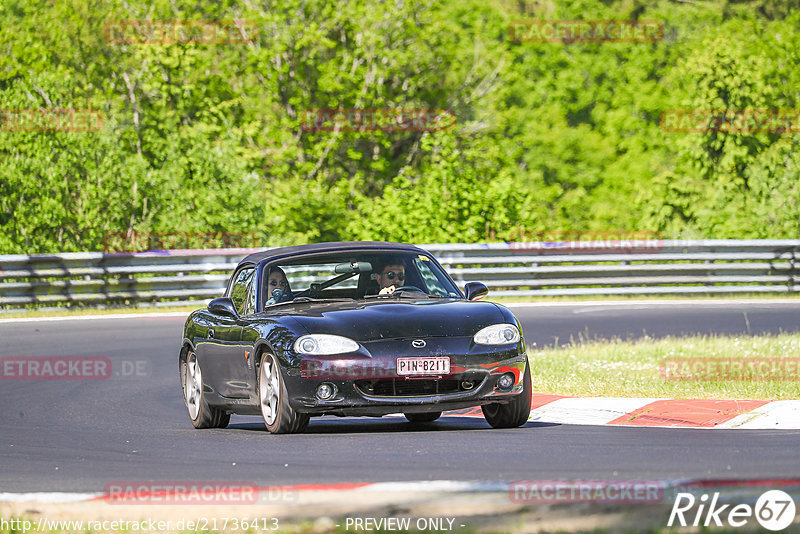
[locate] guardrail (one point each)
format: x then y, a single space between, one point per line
509 269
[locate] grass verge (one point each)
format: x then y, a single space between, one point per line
638 368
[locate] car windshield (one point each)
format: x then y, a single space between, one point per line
356 276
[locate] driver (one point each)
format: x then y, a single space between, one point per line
278 287
390 277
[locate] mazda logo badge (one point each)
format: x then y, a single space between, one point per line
418 343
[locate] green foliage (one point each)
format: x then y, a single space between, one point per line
728 184
449 199
209 137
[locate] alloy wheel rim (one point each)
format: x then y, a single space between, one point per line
269 389
193 386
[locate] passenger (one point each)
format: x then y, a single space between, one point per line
278 287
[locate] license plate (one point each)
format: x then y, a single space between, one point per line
423 366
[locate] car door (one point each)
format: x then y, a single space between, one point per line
224 361
248 337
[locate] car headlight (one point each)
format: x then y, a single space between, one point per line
323 344
497 334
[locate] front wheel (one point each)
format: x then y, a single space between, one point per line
201 413
516 412
278 414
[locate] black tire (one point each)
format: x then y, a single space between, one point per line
201 413
428 417
516 412
273 397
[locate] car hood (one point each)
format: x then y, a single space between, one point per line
396 318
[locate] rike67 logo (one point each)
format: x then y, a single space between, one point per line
774 510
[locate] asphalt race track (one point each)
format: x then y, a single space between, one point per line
549 324
82 435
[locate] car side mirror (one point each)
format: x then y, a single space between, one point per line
223 306
475 290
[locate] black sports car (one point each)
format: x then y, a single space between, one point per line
363 328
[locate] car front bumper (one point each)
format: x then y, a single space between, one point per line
372 386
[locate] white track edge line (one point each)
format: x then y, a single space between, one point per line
654 302
47 497
600 303
91 317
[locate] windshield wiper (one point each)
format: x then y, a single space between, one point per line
331 299
298 300
405 294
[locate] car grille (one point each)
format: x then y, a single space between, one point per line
407 388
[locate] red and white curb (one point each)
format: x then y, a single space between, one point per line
691 413
296 491
305 493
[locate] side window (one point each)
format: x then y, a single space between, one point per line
240 288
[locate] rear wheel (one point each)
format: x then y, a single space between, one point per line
516 412
200 412
278 415
428 417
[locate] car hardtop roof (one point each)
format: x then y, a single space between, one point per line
337 246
